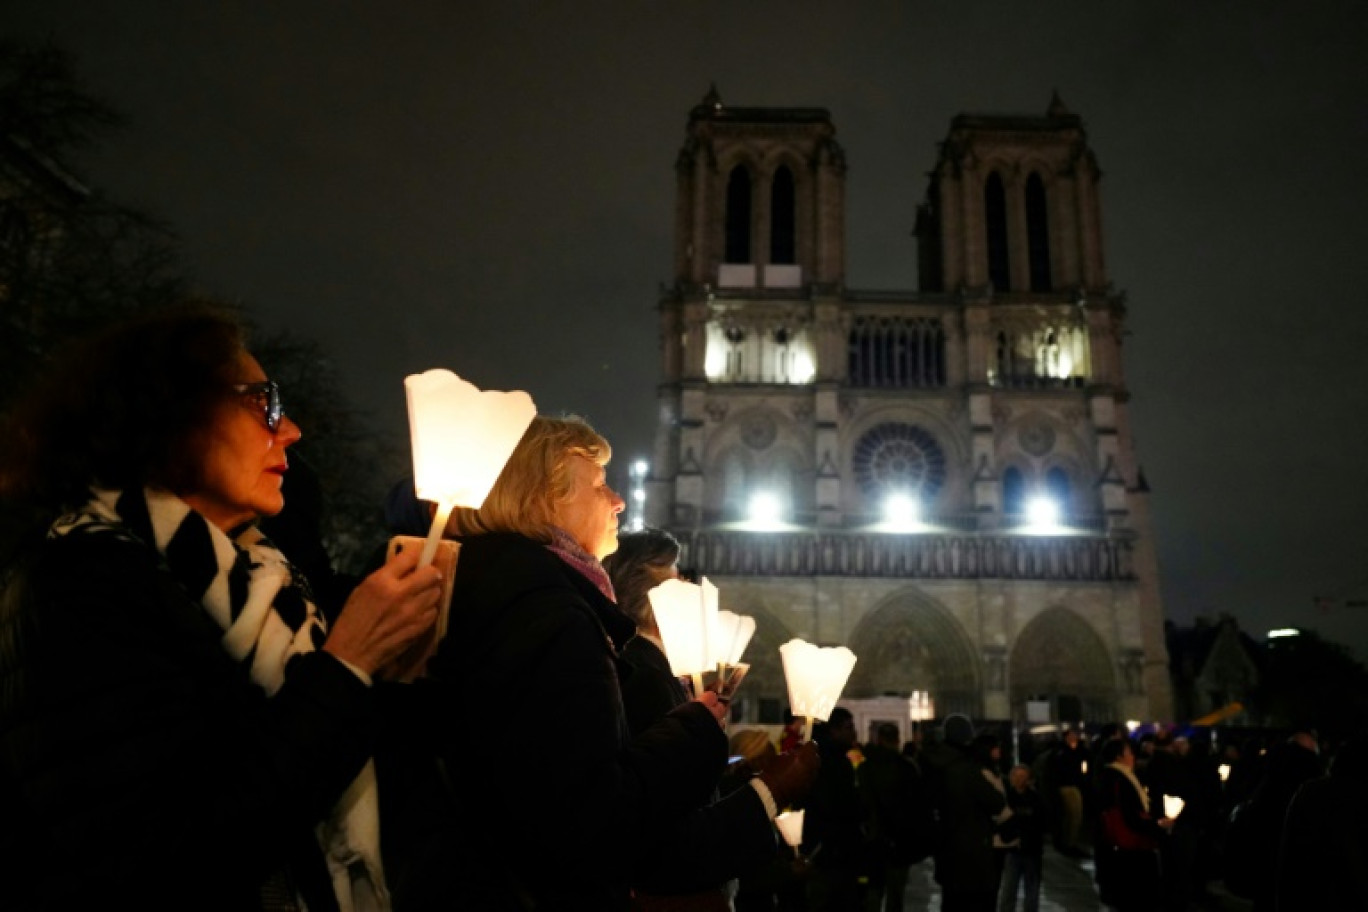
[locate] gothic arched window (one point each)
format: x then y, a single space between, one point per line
995 217
783 219
1058 488
1013 492
1037 234
738 216
894 457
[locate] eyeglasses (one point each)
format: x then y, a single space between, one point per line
266 396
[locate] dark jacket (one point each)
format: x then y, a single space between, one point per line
138 763
649 688
901 819
1026 826
730 832
966 807
551 803
1127 844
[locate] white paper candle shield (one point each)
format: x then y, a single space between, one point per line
816 675
790 824
461 436
686 614
1173 806
734 634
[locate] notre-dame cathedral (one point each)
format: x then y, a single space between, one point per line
942 479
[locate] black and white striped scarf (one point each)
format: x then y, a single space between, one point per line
267 615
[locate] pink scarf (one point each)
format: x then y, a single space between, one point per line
588 566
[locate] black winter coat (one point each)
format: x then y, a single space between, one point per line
139 765
549 802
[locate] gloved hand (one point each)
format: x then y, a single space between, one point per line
790 776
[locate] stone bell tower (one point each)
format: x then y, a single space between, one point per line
860 467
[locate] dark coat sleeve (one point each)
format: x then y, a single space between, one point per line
708 846
547 779
141 750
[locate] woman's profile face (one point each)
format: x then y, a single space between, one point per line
244 460
590 513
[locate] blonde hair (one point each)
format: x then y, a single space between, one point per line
752 745
537 478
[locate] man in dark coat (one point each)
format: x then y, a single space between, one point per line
891 786
1069 780
834 821
967 805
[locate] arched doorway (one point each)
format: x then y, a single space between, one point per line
1059 659
910 642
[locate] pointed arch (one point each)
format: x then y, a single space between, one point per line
1060 658
783 218
910 642
1037 234
1059 488
1013 491
995 220
738 219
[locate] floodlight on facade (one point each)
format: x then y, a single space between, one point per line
636 512
765 509
901 511
1042 514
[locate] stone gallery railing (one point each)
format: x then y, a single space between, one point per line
1084 558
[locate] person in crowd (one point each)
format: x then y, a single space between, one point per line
967 807
1203 810
890 784
779 885
986 749
1069 780
1323 855
1256 825
180 727
1024 845
1167 774
643 560
834 824
1128 836
571 821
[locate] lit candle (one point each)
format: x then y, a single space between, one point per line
462 437
686 614
1173 806
790 824
816 675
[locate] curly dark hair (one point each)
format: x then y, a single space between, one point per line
126 407
640 563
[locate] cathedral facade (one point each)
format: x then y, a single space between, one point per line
942 479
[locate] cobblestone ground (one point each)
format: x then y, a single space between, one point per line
1066 886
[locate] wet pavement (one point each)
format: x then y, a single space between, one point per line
1066 886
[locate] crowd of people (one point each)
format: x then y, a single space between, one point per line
187 721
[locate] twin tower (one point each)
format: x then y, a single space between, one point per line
942 479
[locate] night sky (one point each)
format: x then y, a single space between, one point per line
489 187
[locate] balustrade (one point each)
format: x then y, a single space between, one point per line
1086 558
